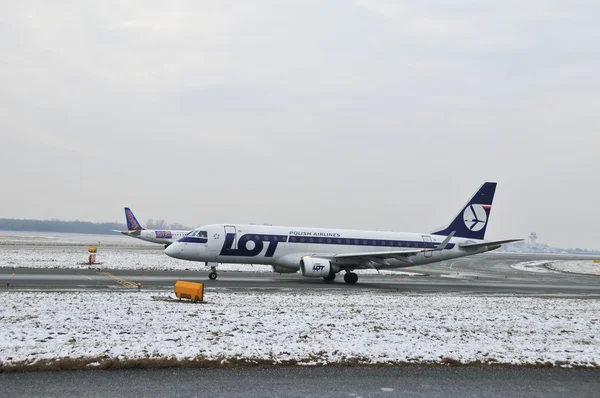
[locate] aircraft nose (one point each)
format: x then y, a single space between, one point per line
172 250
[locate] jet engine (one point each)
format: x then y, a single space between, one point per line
314 267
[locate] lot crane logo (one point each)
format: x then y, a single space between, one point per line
475 217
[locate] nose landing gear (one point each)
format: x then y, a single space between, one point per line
212 275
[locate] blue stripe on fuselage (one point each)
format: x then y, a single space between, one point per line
329 241
193 239
365 242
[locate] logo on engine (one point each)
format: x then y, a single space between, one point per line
318 267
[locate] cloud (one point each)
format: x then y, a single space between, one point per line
301 112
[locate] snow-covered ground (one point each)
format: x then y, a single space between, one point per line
147 258
533 266
56 239
306 326
578 267
151 258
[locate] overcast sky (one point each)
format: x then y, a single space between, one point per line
360 114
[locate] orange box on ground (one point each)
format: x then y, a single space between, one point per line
189 290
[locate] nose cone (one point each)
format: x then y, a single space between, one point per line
173 250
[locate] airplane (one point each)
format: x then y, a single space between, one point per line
324 252
136 230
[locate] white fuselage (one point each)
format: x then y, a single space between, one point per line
284 247
157 236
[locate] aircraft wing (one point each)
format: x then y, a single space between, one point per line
128 233
483 244
380 257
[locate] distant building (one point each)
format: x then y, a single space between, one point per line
532 238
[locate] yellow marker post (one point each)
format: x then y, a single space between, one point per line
92 257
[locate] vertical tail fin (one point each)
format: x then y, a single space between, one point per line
473 219
132 222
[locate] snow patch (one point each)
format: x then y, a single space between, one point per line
577 267
373 327
151 258
533 266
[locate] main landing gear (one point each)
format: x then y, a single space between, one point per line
350 278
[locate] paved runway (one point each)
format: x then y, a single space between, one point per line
487 273
308 382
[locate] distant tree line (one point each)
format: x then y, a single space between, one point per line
79 227
161 224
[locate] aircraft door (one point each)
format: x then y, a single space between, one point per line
230 237
427 244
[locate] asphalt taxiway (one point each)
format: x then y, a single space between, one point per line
308 382
486 274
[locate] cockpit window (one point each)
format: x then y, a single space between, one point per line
200 234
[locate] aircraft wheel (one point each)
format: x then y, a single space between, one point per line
350 278
329 278
212 276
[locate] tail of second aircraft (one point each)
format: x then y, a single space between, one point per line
472 220
132 222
